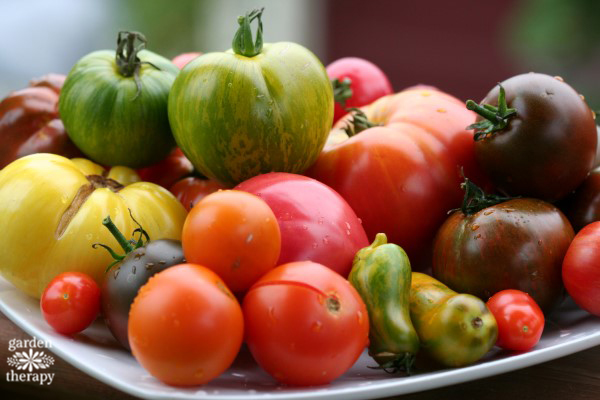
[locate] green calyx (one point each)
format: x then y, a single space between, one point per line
476 199
127 60
341 90
242 41
358 123
496 118
128 246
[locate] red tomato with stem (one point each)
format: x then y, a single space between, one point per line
305 324
356 82
185 326
71 302
520 320
235 234
581 268
191 190
316 223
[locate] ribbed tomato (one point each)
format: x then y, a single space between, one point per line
402 177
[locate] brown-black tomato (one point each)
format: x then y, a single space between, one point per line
582 207
492 245
541 142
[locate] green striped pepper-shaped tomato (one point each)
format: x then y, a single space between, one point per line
252 109
454 329
381 274
114 104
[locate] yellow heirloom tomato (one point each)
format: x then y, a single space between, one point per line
51 212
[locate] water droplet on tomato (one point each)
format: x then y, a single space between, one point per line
359 317
474 227
348 232
320 221
316 326
315 245
305 227
559 78
489 212
249 238
325 239
229 84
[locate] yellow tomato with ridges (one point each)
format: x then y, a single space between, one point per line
51 213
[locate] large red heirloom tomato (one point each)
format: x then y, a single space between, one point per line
316 223
403 176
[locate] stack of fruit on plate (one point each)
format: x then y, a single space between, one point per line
206 202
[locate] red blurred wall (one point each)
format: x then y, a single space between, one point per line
455 45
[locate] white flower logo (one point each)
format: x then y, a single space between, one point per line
30 361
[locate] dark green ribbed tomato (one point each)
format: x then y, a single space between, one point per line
114 104
253 109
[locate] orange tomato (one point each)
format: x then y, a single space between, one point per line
185 326
235 234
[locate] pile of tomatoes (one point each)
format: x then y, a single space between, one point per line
176 229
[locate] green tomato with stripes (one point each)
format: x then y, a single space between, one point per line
253 109
114 104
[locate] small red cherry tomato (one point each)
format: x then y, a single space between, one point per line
71 302
520 320
367 82
581 268
305 324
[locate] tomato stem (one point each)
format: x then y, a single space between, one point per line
476 199
128 62
242 41
123 242
358 123
496 118
341 90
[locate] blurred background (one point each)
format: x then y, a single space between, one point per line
461 46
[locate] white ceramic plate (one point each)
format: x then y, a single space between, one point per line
95 352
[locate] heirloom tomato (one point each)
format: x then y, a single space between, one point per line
305 324
520 320
51 213
356 83
582 207
235 234
581 268
402 177
316 223
191 190
535 136
29 122
169 170
253 109
114 104
185 327
70 302
494 243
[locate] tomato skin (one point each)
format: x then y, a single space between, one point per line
70 302
169 170
189 191
368 82
520 320
297 332
185 327
551 118
316 223
581 268
183 59
582 207
516 244
235 234
403 177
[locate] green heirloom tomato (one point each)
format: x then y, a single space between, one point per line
114 104
252 109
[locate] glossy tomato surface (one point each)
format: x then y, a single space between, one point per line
305 324
582 207
191 190
185 326
520 320
316 223
581 268
403 177
235 234
549 145
71 302
169 170
367 82
516 244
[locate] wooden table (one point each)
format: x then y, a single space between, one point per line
575 377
